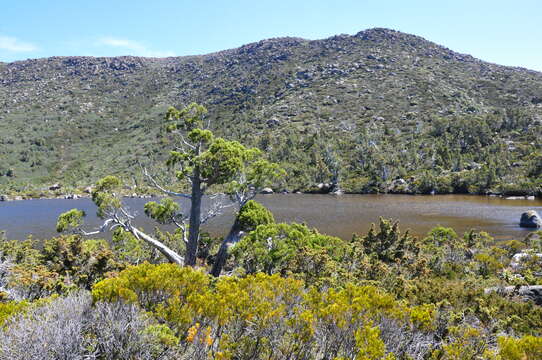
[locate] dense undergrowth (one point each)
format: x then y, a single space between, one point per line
289 293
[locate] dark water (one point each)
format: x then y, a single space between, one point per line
334 215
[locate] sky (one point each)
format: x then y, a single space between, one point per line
502 32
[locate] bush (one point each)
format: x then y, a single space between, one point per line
53 331
271 248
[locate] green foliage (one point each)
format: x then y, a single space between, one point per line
10 308
58 265
216 160
70 219
271 248
84 262
162 334
163 212
191 116
370 346
106 195
149 284
387 243
525 348
465 344
128 248
20 252
253 214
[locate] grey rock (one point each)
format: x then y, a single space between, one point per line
273 122
517 259
532 292
267 190
54 187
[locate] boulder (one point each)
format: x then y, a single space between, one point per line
4 198
530 219
267 190
273 122
533 292
519 258
324 188
88 190
54 187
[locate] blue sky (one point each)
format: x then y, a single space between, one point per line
504 32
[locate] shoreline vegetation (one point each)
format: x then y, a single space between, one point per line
85 193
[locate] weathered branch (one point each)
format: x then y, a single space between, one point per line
171 255
215 210
114 219
182 226
186 142
164 190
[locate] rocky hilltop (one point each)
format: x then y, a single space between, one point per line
72 119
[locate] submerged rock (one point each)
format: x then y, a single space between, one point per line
530 219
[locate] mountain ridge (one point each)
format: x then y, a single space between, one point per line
364 34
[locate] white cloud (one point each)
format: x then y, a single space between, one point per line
134 47
12 44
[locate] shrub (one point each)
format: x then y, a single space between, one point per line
271 248
53 331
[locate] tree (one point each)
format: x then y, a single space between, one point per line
203 161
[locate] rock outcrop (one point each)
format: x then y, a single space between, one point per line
533 292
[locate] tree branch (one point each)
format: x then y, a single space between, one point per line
164 190
171 255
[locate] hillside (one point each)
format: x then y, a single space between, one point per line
386 110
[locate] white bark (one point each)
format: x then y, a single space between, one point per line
170 254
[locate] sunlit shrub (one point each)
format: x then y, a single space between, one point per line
271 248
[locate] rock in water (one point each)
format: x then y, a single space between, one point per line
530 219
267 190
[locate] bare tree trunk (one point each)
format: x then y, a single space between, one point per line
233 237
195 220
171 255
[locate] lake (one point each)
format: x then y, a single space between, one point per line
335 215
